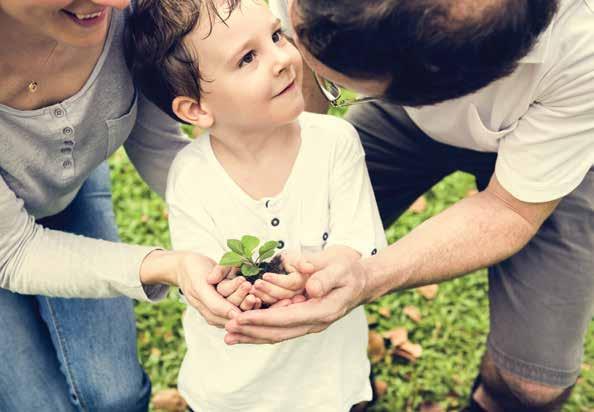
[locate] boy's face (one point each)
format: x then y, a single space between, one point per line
252 74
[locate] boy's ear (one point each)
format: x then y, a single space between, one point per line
191 111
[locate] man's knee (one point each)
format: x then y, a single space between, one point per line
514 392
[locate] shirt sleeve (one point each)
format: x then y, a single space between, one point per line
354 216
38 261
153 144
190 225
280 8
552 148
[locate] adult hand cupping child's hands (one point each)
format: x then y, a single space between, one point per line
195 276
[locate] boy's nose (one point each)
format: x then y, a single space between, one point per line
282 62
118 4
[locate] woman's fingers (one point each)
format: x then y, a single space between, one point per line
274 291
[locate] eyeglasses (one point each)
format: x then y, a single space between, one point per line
333 93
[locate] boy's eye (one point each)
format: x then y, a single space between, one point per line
247 59
277 36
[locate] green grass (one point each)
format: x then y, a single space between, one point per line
452 330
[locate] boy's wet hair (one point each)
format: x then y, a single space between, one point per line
162 65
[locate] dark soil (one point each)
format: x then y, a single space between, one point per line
274 266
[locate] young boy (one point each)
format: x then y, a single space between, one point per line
263 168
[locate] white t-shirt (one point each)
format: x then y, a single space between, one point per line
539 120
326 200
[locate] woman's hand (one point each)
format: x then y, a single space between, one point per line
334 289
196 276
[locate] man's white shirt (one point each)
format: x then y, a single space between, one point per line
327 200
539 120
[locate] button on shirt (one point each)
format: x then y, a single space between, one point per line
328 192
540 119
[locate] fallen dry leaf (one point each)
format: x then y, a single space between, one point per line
428 291
169 400
397 336
414 349
419 205
430 407
376 349
381 387
385 311
413 313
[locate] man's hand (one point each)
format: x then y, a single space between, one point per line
334 289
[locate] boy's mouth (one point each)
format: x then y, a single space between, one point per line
289 87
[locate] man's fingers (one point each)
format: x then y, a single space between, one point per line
261 334
323 282
227 287
298 299
282 303
294 315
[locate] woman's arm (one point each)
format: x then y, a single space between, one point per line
36 260
153 144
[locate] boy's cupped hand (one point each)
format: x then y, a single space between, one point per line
238 291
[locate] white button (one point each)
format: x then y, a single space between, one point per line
67 130
59 112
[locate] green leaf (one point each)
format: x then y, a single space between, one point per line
249 244
231 259
249 270
235 245
270 245
266 255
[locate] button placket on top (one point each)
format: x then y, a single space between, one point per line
66 139
276 231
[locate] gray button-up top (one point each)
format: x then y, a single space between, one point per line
46 155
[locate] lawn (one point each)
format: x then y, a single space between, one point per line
450 327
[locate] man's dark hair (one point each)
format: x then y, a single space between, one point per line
161 64
430 50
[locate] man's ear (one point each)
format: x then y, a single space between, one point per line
191 111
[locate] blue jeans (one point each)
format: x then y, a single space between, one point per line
72 354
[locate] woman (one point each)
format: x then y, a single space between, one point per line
66 103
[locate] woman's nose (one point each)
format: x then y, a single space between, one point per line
118 4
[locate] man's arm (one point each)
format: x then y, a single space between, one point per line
476 232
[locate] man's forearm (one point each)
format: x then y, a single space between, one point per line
474 233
